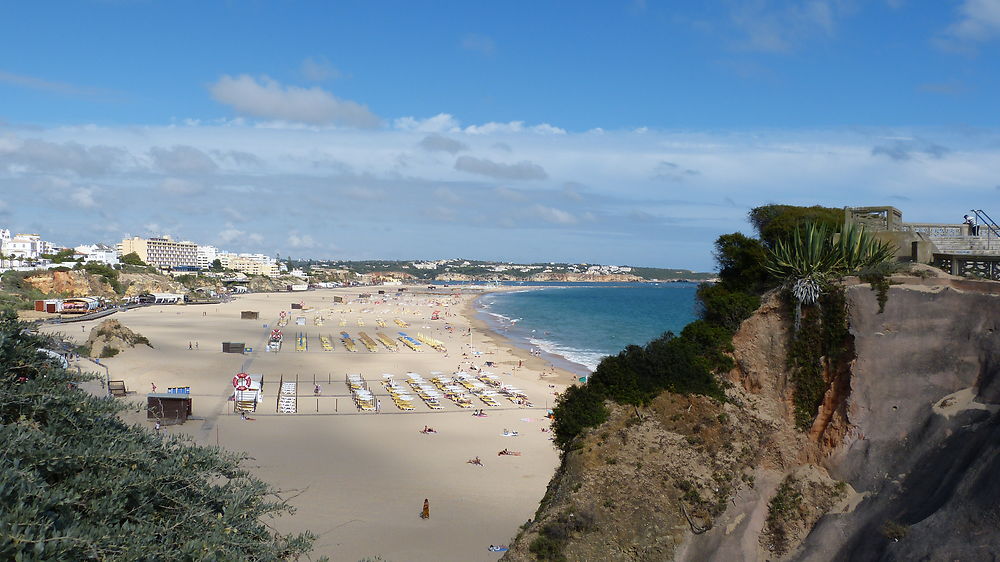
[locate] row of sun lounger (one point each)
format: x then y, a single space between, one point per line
387 342
363 397
433 343
409 342
348 342
512 393
368 342
400 395
326 343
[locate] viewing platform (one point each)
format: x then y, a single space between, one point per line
953 247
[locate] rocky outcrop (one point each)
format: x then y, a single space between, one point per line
899 465
110 338
72 283
142 283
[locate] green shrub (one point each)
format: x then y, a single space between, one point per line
77 483
578 408
725 307
777 222
132 258
109 351
741 263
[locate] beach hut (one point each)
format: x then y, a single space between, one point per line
80 305
167 298
249 315
169 409
117 388
233 347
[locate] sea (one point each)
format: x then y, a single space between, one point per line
575 325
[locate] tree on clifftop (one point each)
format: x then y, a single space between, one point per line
77 483
133 258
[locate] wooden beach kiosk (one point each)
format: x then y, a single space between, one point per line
233 347
249 315
169 409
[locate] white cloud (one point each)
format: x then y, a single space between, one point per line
523 170
346 185
512 127
435 142
553 215
36 83
440 123
781 26
182 160
84 197
268 99
979 20
447 195
175 186
301 241
45 156
479 43
318 69
231 234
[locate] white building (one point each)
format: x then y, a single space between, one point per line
250 264
206 255
23 246
98 253
161 252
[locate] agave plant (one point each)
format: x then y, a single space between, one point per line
859 249
810 258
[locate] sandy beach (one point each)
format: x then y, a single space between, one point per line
358 480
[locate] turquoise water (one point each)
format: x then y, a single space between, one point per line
578 324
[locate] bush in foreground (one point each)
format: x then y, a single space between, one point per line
76 483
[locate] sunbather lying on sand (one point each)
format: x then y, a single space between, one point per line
428 430
511 453
475 461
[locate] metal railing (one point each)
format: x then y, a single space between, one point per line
986 220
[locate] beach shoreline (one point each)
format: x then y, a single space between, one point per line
357 480
564 371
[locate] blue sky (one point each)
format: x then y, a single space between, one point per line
608 132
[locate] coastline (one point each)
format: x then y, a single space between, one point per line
565 372
366 473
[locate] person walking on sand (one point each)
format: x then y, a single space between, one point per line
196 345
426 513
189 346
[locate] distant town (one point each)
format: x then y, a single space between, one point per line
26 252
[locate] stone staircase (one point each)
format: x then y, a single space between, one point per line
985 244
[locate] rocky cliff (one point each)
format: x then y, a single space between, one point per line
70 284
899 464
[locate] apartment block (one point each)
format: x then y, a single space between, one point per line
161 252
